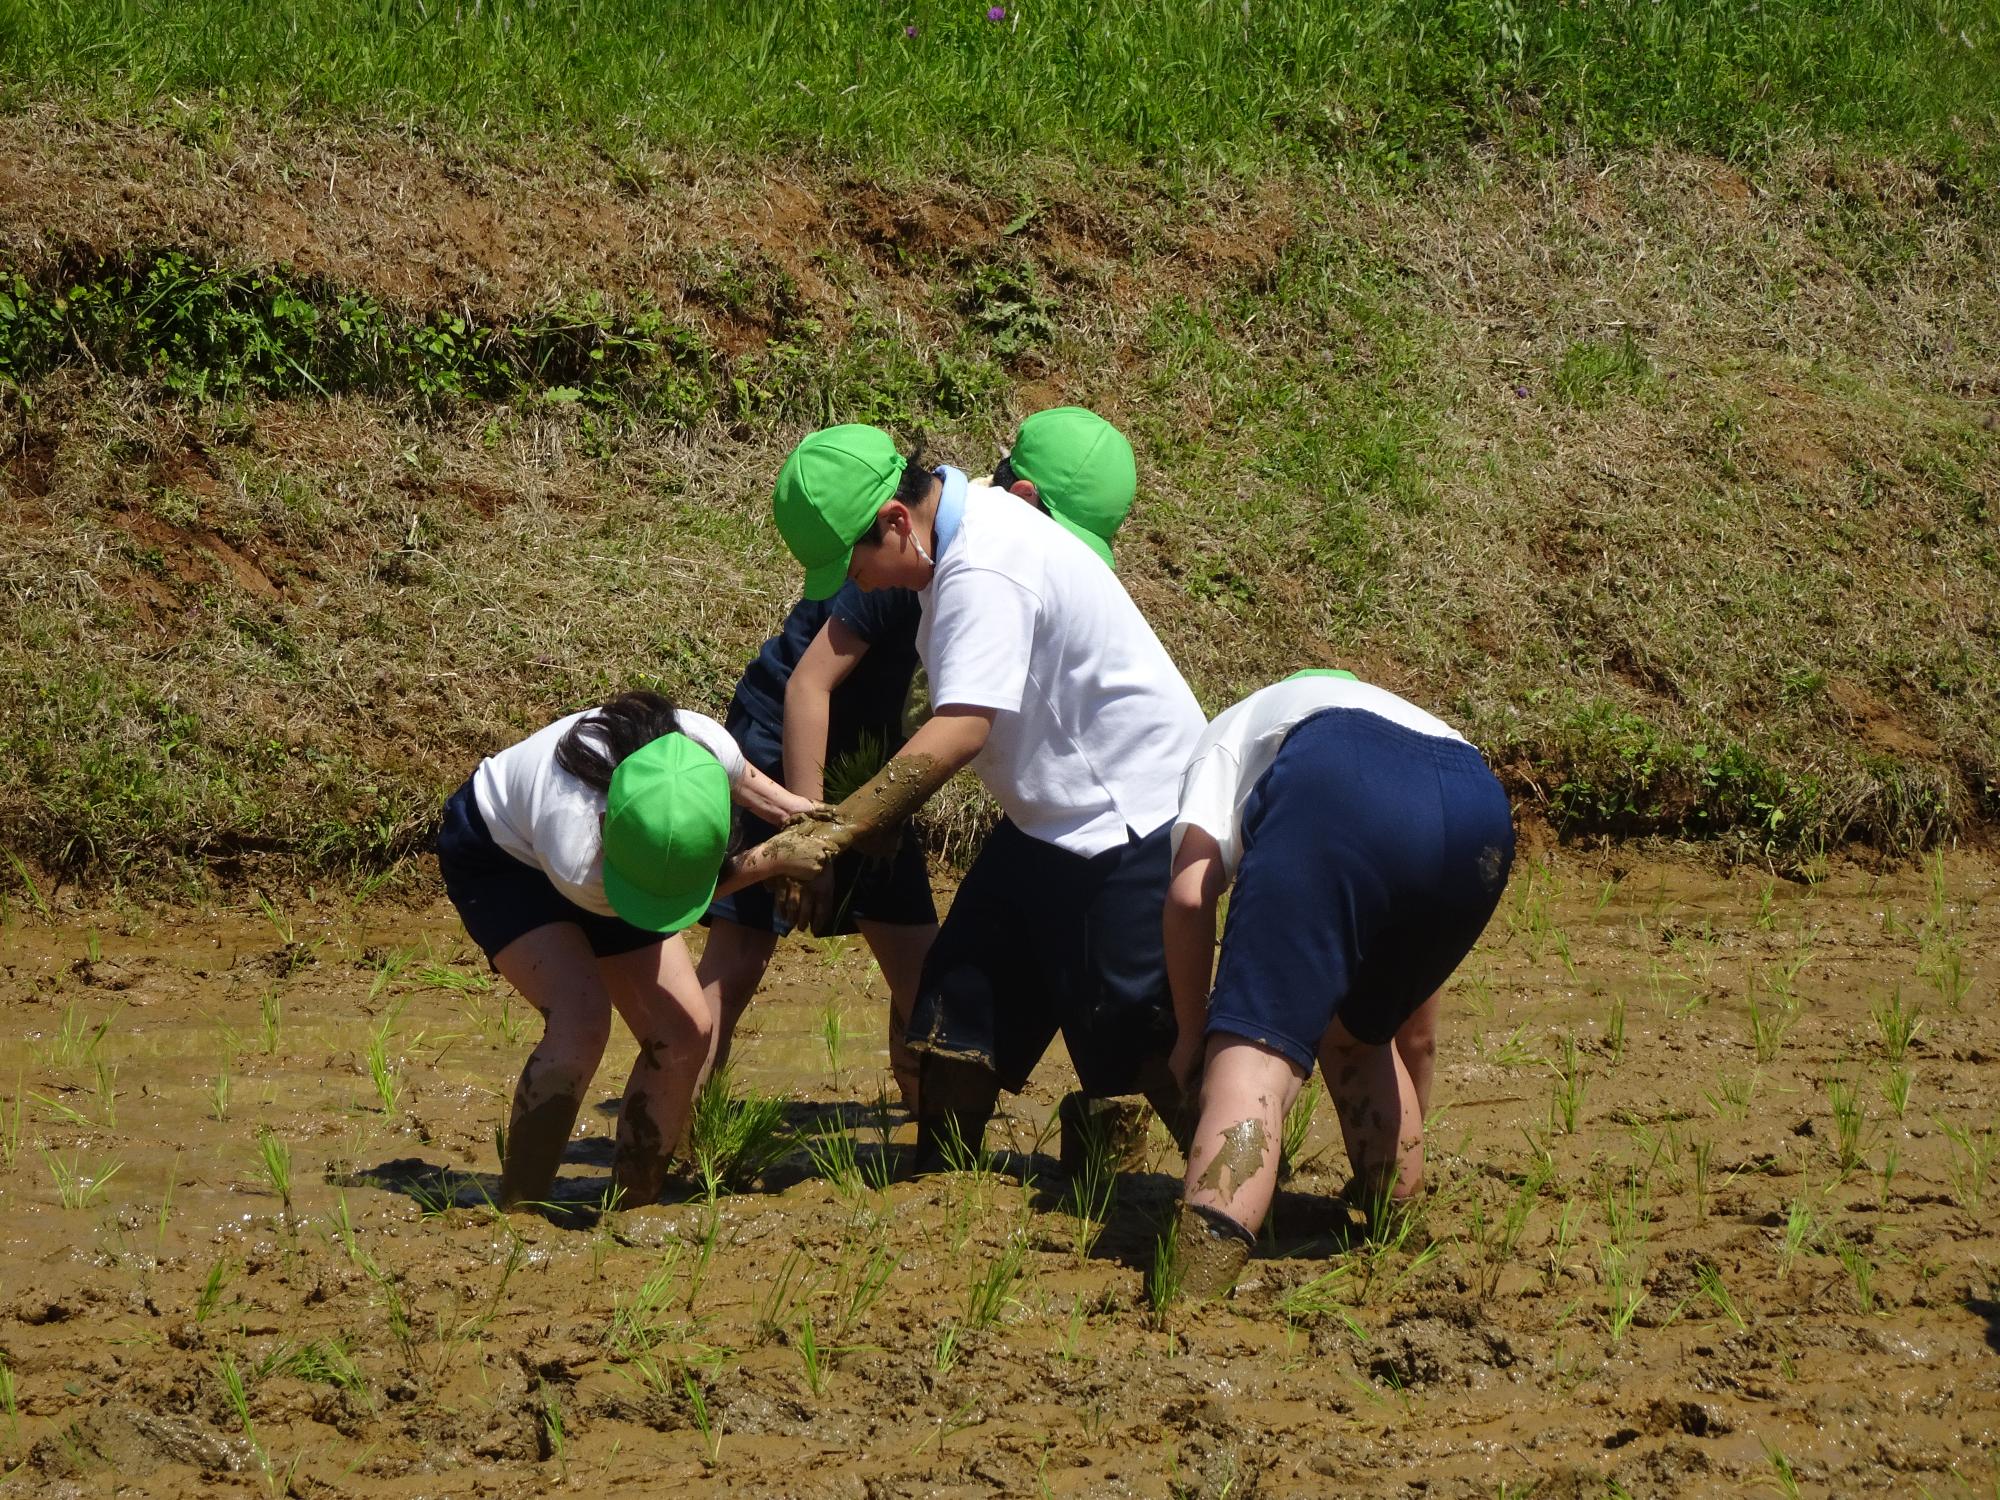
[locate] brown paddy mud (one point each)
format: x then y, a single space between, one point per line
1713 1165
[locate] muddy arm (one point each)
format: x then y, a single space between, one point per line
1188 930
947 742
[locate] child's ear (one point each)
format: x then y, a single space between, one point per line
1025 490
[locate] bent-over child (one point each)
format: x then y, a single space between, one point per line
1364 843
575 858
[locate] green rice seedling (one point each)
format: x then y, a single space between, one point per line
1768 1027
831 1150
1614 1030
165 1213
220 1272
1971 1161
1896 1090
281 924
638 1323
61 1113
1801 1228
709 1428
218 1092
271 1018
76 1040
10 1405
1163 1278
10 1123
1897 1026
1701 1156
1943 964
858 1285
1891 1158
1709 1281
704 1249
1562 1239
1296 1132
107 1093
1849 1122
833 1035
1321 1298
555 1438
1498 1243
991 1287
1764 901
387 1076
76 1185
946 1347
1860 1270
29 885
277 1159
812 1358
1730 1098
1093 1187
735 1141
1783 1475
786 1294
1566 1093
390 965
1625 1289
468 982
1067 1349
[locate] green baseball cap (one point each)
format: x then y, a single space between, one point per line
666 828
1082 467
828 493
1334 672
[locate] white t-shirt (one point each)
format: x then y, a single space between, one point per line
1238 748
545 817
1093 721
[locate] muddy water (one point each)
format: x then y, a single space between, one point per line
1676 1259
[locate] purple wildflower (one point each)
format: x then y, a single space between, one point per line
1521 390
996 13
909 31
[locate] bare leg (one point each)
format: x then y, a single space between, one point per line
555 970
899 951
732 966
1233 1161
1380 1120
1416 1048
656 991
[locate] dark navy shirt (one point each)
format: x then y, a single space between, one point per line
871 699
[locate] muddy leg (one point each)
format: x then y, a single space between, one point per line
657 992
1416 1049
959 1096
555 970
899 952
732 965
1380 1119
1233 1160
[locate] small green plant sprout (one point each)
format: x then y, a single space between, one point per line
1801 1228
10 1405
1971 1161
75 1044
946 1347
1783 1476
387 1076
709 1427
1093 1185
833 1035
1296 1133
1768 1026
1730 1098
1849 1122
812 1357
10 1123
991 1287
1701 1157
78 1186
1614 1030
555 1439
276 1157
271 1018
859 1284
785 1296
1943 963
1325 1296
639 1323
1566 1093
1562 1240
1897 1026
830 1148
1624 1288
1498 1241
219 1273
1885 1175
1860 1268
1896 1090
1164 1278
218 1091
1708 1281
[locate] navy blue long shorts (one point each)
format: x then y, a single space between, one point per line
1040 940
500 898
1373 857
895 890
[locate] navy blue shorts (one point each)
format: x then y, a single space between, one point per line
1373 857
500 898
896 889
1041 940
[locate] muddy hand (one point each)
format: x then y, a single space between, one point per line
807 904
799 852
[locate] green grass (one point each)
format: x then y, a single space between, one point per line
1391 81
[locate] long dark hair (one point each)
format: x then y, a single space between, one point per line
597 742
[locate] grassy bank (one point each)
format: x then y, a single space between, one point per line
338 455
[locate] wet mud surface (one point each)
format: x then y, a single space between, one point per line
1706 1215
